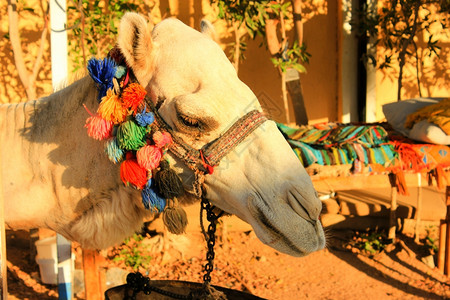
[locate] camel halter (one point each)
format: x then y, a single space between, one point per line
138 137
202 161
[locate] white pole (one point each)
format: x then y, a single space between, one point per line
58 38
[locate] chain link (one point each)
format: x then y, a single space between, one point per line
136 282
210 237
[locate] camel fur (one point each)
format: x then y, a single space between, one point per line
55 176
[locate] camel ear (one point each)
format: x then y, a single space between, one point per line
207 28
135 42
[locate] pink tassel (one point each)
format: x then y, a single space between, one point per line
162 139
98 128
149 157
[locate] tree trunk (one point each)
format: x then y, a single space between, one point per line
27 78
294 81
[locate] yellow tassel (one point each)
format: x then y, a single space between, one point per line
111 108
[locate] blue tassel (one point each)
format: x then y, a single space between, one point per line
102 72
151 200
113 151
145 118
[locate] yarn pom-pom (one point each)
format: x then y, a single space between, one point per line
98 128
149 157
130 136
132 173
145 118
162 139
133 96
151 199
175 217
111 108
113 151
120 71
167 182
102 72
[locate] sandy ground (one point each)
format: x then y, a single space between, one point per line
244 263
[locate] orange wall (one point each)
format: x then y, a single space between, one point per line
319 84
434 74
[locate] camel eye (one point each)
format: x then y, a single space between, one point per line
189 122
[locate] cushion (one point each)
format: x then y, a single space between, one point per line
397 112
430 133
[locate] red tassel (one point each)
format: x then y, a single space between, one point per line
132 173
133 96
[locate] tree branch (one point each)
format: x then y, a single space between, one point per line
37 63
405 44
271 36
297 13
14 36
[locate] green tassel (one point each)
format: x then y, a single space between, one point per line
174 217
168 182
130 136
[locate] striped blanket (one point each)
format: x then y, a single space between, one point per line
363 149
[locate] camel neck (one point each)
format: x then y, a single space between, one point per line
36 119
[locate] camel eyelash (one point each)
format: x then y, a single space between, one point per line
189 122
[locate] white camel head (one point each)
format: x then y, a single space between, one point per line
56 176
261 181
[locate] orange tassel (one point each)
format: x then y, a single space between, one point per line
133 96
111 108
132 173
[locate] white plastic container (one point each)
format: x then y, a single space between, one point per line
47 260
46 248
48 268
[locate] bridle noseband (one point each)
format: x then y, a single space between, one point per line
202 161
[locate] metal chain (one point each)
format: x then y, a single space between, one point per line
210 237
137 283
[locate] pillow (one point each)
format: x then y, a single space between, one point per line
430 133
396 112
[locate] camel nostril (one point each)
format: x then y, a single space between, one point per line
304 207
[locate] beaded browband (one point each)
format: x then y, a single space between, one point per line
138 138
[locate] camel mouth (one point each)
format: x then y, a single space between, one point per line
307 238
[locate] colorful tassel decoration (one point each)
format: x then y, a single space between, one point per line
123 119
145 118
111 108
120 71
102 72
113 151
151 199
130 136
175 217
132 173
149 157
167 182
133 96
162 139
98 128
